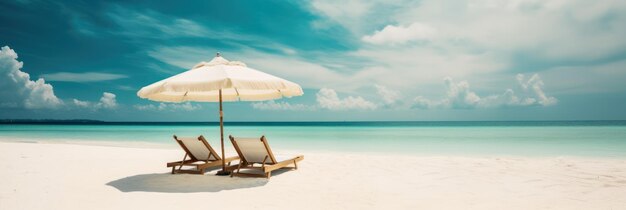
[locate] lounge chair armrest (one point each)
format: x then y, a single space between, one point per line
178 163
282 164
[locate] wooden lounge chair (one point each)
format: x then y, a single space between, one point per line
201 156
257 151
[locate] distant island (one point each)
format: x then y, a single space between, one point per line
49 121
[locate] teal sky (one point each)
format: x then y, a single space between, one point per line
356 60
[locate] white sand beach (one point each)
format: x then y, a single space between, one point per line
65 176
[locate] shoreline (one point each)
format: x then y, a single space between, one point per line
174 146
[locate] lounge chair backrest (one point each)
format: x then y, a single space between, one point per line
253 150
197 148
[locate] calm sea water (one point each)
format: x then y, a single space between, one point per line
574 138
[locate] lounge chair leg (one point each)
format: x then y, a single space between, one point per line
295 163
269 174
181 164
238 168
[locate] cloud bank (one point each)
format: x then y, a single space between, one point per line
273 105
17 90
168 107
107 101
326 99
460 96
536 85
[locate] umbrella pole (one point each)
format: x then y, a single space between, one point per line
223 172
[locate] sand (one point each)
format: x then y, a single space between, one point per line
65 176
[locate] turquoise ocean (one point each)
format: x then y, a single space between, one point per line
522 138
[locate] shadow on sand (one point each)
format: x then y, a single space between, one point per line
185 183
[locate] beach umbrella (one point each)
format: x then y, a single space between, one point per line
217 81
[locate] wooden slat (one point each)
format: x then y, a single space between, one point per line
249 175
185 171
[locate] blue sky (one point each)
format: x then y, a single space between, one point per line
356 60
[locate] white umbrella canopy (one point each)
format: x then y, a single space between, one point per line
220 80
204 81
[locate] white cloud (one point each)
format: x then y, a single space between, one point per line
168 107
536 84
328 99
18 90
82 104
107 101
390 97
272 105
506 99
460 96
183 106
150 107
422 103
82 77
394 35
